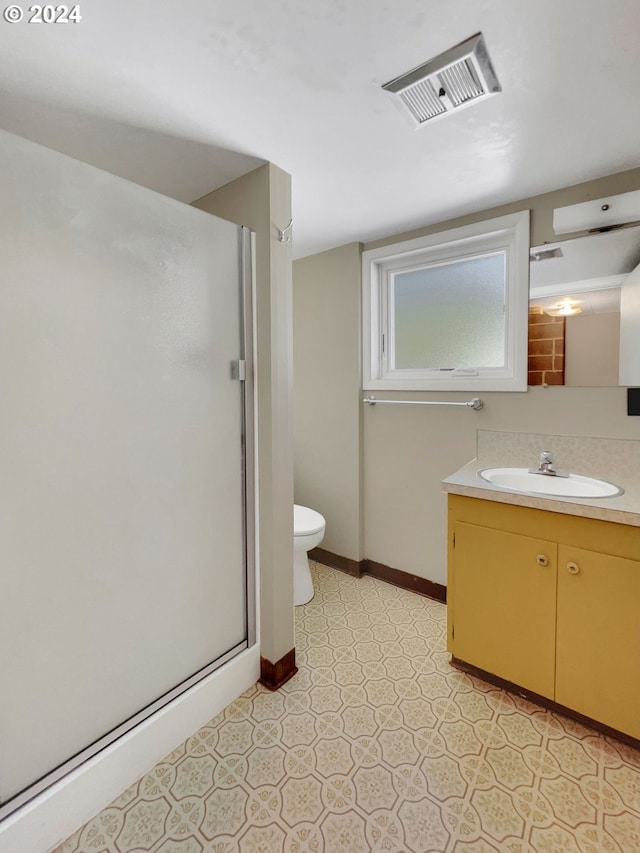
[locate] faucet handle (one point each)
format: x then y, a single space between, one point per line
546 466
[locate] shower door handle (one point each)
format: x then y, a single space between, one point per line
239 369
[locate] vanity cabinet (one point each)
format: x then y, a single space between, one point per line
548 602
598 636
505 601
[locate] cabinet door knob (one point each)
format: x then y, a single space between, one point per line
573 568
542 560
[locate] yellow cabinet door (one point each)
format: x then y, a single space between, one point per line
598 640
505 605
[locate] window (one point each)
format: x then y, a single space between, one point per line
449 311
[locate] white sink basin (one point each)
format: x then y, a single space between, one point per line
573 486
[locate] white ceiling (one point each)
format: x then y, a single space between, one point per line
185 96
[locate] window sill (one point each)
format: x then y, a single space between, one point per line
449 384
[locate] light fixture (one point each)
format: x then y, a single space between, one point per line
545 254
564 308
453 79
601 213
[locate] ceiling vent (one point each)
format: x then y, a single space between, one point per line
454 79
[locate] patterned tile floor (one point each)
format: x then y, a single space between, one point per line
378 744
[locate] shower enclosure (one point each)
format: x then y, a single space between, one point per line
126 468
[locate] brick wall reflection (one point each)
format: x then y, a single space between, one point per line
546 348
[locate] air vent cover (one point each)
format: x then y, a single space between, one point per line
454 79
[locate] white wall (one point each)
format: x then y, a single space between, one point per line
591 349
326 353
406 451
629 326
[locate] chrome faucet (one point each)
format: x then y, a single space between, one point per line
546 466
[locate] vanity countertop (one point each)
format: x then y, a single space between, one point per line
495 449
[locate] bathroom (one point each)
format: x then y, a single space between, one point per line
393 528
374 473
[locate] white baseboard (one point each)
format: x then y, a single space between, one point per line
44 822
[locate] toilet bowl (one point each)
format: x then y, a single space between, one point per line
308 531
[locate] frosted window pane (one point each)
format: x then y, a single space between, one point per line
451 315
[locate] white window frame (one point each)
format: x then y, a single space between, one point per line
509 233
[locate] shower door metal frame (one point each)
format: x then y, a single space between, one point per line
249 408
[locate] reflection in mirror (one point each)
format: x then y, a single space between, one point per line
574 308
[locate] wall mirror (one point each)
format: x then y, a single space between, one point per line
581 280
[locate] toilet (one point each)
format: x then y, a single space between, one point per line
308 531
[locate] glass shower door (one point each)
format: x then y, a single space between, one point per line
122 468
